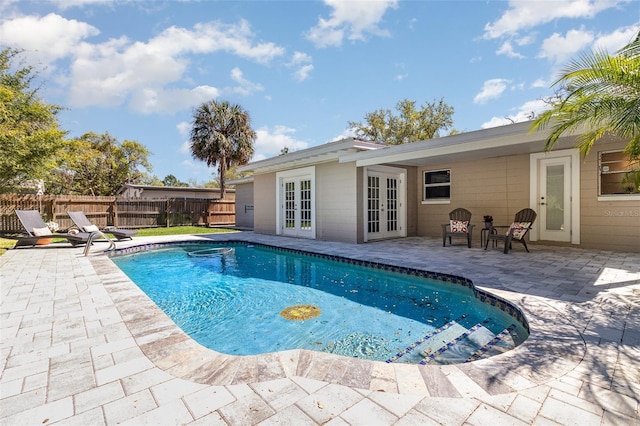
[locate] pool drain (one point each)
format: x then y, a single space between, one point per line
300 312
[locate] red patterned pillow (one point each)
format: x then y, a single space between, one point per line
459 225
519 229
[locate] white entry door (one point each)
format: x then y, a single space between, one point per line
384 205
554 199
297 214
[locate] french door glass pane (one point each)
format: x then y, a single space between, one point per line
392 204
289 205
305 204
373 208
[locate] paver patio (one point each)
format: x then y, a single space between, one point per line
81 344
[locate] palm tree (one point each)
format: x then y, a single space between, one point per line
602 93
221 135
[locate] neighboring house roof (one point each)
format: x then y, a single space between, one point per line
168 188
512 139
318 154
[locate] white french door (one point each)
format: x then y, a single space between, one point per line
297 206
384 203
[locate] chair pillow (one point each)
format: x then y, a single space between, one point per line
90 228
519 229
41 232
459 225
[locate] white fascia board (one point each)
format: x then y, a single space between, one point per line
486 138
320 153
493 138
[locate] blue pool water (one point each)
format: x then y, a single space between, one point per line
233 303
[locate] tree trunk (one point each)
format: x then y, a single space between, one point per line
222 170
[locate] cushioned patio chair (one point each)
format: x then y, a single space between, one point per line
459 226
84 224
37 230
517 231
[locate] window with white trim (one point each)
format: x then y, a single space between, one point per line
618 174
437 185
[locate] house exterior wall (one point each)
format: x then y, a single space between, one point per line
244 205
498 187
412 202
606 224
336 202
264 203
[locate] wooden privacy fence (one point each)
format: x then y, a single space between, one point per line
115 211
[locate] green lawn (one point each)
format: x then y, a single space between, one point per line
6 243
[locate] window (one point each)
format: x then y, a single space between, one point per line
437 185
618 174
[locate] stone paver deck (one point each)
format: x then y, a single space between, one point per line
81 344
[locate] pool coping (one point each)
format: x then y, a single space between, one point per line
552 350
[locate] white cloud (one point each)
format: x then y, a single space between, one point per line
507 49
66 4
302 63
524 15
269 142
120 71
350 19
539 83
245 87
559 49
616 40
47 38
525 112
492 89
347 133
183 128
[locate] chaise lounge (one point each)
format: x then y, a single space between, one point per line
36 230
84 224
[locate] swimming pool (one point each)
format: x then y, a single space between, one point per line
256 299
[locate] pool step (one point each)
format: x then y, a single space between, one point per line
411 353
454 343
501 343
459 348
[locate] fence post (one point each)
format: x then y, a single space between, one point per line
114 211
168 212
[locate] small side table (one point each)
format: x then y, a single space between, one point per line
484 236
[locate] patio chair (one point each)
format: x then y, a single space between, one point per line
459 226
84 224
37 230
522 223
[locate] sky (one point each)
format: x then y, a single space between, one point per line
302 69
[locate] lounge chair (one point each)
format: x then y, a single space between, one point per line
459 226
517 231
84 224
37 230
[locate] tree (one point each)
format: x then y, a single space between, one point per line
602 93
221 135
410 125
29 129
97 164
171 180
